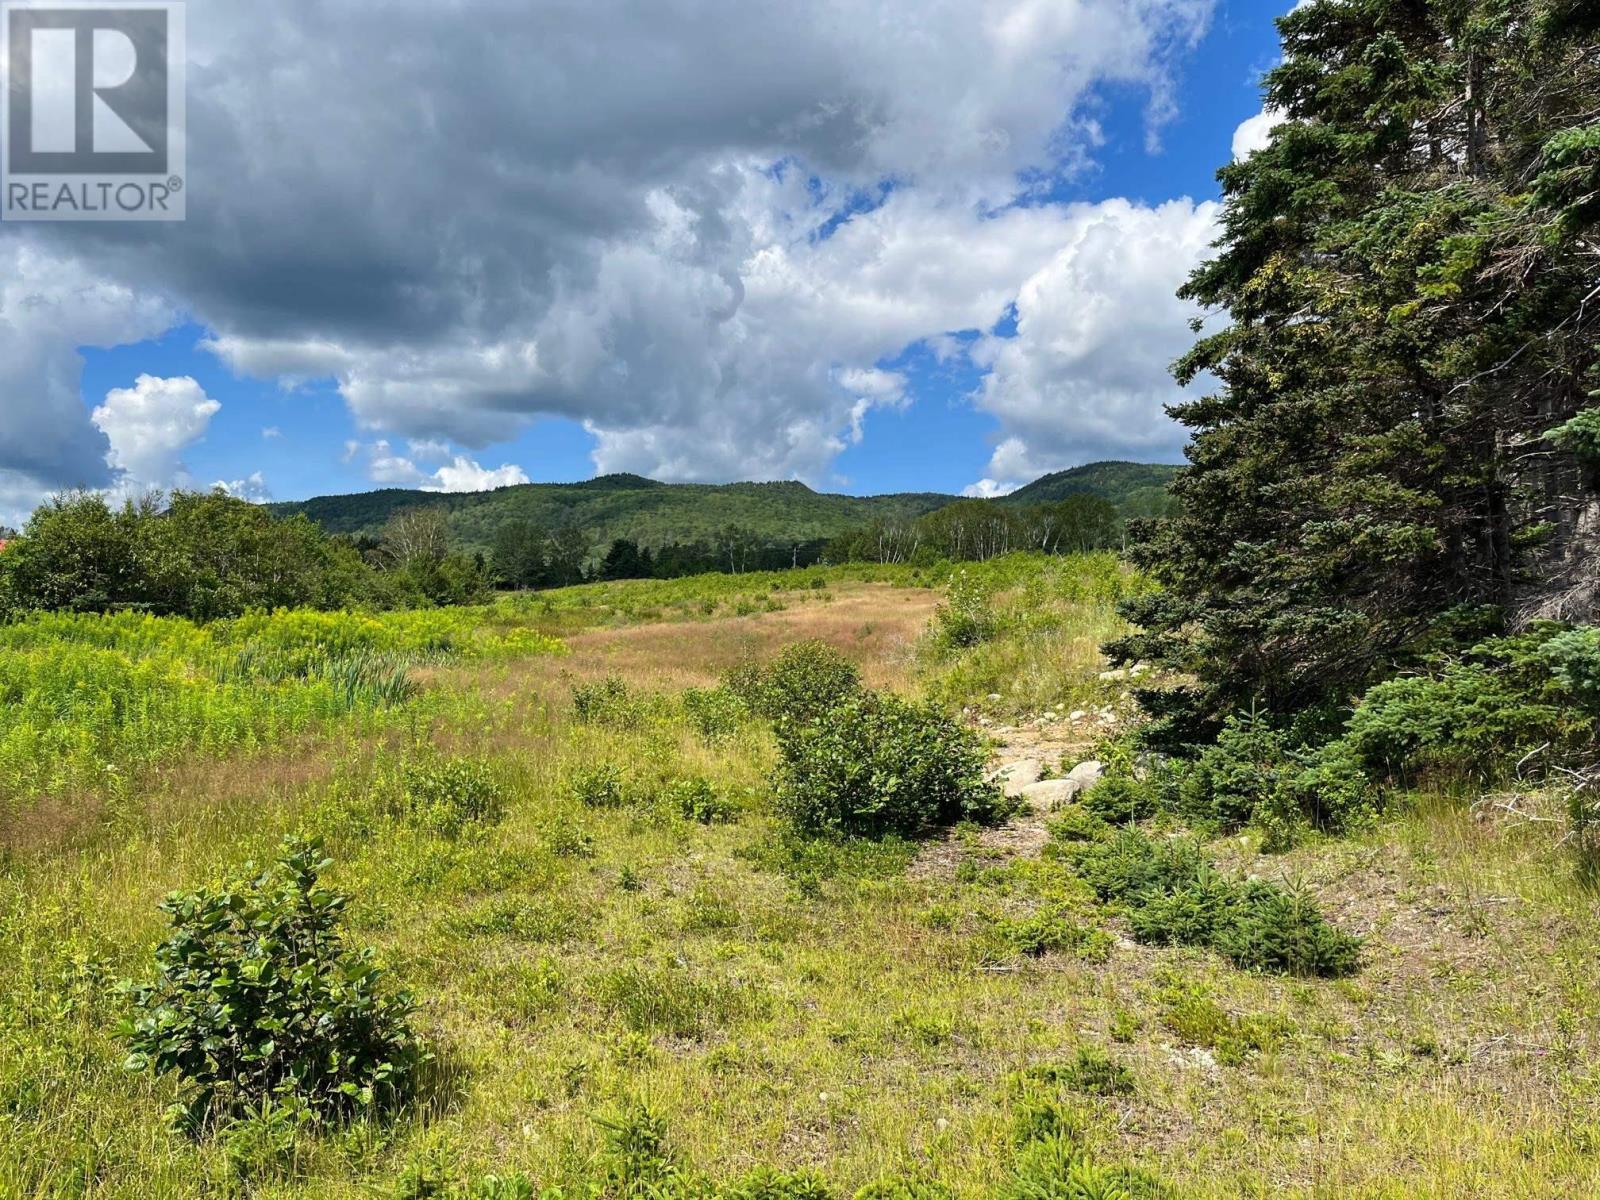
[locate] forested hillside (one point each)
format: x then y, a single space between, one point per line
1137 489
625 506
655 514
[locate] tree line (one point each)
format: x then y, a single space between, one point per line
977 530
210 555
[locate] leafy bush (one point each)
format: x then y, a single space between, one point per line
798 686
257 1000
606 702
447 795
966 618
713 713
598 787
697 800
874 764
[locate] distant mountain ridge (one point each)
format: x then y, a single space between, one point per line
1122 483
654 513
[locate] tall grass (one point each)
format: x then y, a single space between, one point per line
1047 619
86 699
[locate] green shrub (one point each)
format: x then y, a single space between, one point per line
1074 823
1119 799
903 1189
257 1000
607 702
1580 436
1186 914
1058 1168
874 764
261 1144
1245 771
1172 896
1479 714
798 686
1273 929
1574 658
598 787
1128 864
713 713
1332 791
697 800
446 795
1090 1070
1252 775
966 618
766 1183
1052 930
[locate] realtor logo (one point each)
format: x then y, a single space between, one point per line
92 111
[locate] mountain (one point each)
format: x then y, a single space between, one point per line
653 513
614 506
1125 484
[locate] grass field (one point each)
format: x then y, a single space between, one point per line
864 1009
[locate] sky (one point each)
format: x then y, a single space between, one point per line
874 245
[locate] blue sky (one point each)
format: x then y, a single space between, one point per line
779 346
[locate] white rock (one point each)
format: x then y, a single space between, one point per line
1087 774
1076 714
1018 775
1050 794
993 697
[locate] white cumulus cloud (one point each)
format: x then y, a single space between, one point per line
150 424
1097 328
460 474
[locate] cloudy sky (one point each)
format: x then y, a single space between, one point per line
874 245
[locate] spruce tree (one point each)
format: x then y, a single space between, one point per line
1408 277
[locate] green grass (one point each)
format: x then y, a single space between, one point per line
88 701
860 1009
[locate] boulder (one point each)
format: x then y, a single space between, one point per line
1013 777
1050 794
1087 774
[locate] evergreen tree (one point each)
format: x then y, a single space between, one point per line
1410 285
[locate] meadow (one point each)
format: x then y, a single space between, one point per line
628 961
